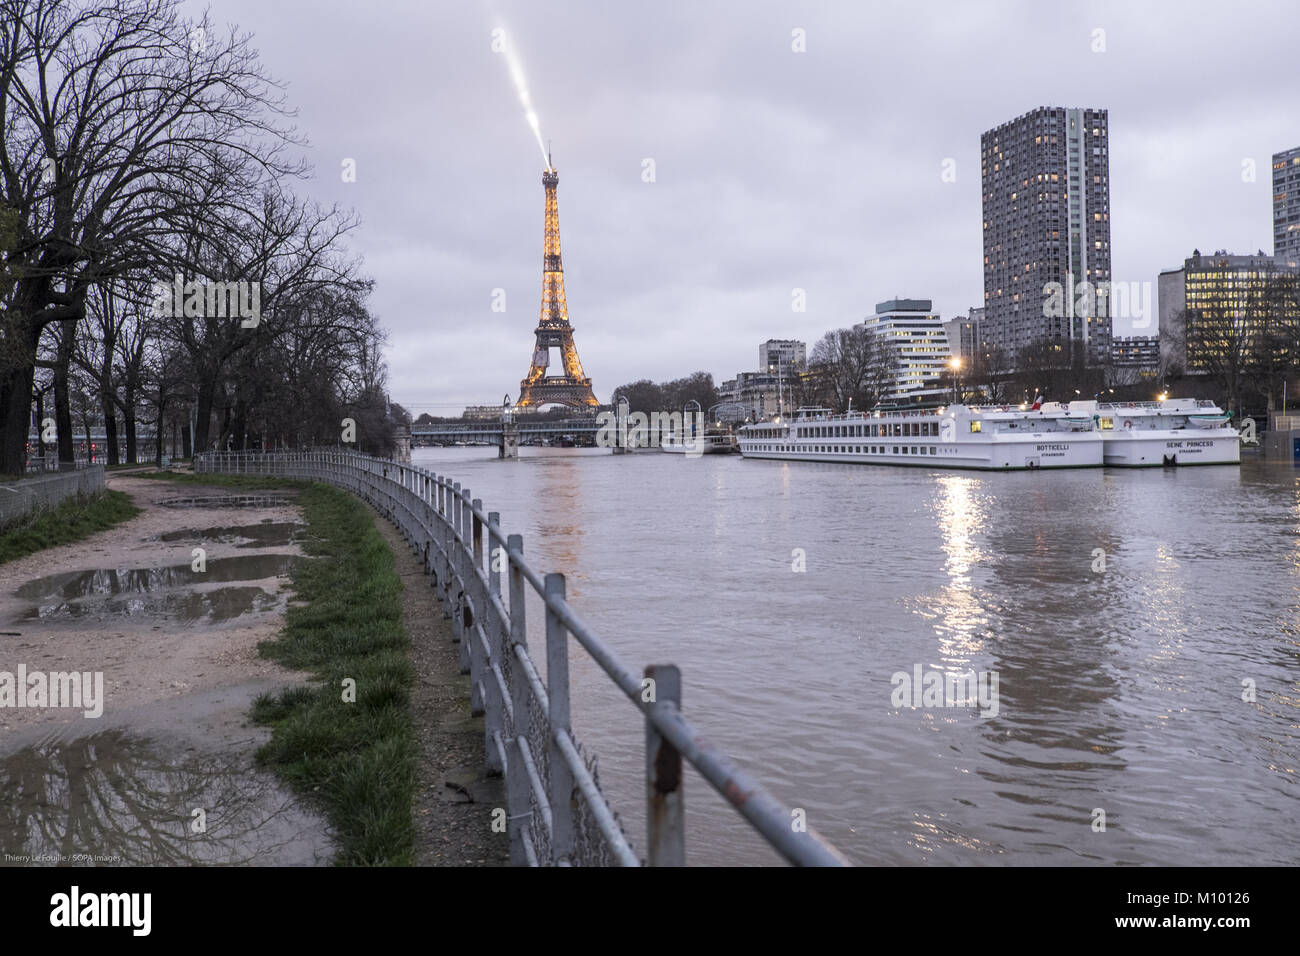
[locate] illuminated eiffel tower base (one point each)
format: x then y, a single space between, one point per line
553 329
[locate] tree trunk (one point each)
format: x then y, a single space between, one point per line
110 428
157 430
40 433
16 415
129 423
62 401
203 418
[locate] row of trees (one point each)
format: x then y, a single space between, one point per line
154 262
647 396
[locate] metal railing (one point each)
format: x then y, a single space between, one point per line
556 813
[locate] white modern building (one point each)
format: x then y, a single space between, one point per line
914 333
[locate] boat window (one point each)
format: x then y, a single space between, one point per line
976 426
1106 424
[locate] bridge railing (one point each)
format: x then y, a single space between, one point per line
485 426
556 813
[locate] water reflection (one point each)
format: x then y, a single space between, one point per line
960 516
211 606
169 592
266 534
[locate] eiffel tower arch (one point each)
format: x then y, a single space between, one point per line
553 329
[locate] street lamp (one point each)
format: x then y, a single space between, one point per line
954 363
699 417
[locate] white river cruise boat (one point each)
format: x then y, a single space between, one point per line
706 444
1178 431
987 437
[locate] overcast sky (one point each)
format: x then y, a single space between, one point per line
774 169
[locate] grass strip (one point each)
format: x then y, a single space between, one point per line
70 520
357 759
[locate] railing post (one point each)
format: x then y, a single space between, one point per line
458 554
665 798
495 628
440 533
560 789
474 586
516 775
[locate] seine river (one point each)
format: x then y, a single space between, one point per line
1125 616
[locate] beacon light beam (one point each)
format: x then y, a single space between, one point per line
521 87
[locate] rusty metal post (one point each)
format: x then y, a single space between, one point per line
516 774
444 534
495 628
460 558
478 614
560 788
665 796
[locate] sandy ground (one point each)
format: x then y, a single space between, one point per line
177 690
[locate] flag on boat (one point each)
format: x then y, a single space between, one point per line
1038 403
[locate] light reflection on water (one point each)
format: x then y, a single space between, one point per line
1119 690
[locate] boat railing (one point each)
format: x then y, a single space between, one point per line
1166 405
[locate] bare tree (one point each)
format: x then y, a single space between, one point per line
851 366
112 113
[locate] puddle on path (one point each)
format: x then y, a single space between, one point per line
76 584
221 604
227 501
132 799
163 592
268 534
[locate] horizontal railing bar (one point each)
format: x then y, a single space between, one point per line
529 852
505 691
768 815
534 681
501 749
586 783
535 783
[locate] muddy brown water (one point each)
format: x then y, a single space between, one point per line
77 584
267 534
157 592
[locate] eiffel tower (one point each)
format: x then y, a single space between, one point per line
553 329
